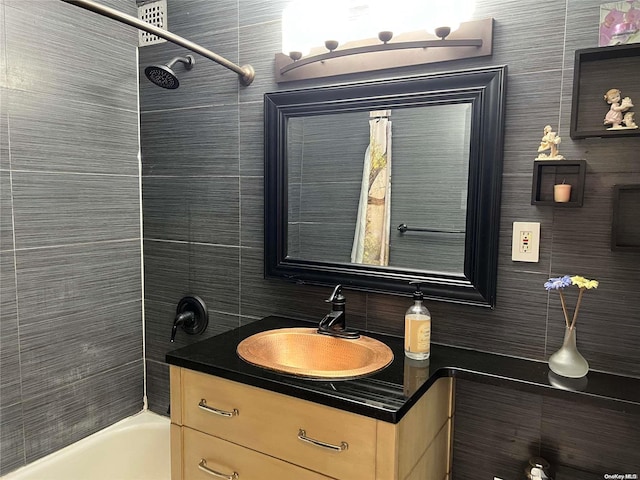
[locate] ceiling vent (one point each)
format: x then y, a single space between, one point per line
154 13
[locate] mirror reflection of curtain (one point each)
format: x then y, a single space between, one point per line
371 238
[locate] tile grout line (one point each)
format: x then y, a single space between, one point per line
238 136
145 400
77 244
15 282
64 172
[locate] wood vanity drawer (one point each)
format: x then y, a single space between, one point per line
226 458
271 423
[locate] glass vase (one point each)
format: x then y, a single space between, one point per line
567 361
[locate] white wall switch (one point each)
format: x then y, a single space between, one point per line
525 243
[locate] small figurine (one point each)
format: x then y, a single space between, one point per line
550 141
628 120
614 116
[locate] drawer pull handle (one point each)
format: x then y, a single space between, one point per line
203 405
302 435
203 466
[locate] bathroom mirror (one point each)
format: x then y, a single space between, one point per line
376 184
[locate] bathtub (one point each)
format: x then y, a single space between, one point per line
136 448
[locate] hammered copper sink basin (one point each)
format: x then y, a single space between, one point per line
306 353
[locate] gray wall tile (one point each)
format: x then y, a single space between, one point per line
63 416
257 49
59 209
589 438
196 209
581 32
252 211
6 211
176 269
259 11
190 141
62 350
517 327
541 48
252 139
4 127
264 297
496 430
71 136
11 438
97 70
9 341
529 109
70 327
158 387
57 282
3 50
193 17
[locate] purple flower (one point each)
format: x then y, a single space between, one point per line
558 283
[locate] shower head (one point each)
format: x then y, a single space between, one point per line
163 76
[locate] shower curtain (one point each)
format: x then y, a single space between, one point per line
371 238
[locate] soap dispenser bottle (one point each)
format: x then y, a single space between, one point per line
417 328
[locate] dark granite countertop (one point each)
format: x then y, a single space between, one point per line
390 393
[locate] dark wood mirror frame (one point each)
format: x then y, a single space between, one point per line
485 89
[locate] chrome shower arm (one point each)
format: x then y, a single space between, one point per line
245 72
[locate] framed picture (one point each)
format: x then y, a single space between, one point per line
619 23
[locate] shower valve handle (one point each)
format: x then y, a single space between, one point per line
192 315
184 318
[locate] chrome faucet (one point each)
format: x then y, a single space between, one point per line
335 322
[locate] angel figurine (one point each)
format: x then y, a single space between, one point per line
618 116
550 141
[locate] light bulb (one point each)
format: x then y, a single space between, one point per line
307 24
297 35
332 22
447 13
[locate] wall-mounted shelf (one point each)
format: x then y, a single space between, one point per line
597 70
625 229
547 173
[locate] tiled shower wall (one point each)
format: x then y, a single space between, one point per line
70 250
203 216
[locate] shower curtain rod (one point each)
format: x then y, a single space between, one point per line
245 73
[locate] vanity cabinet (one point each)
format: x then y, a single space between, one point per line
218 425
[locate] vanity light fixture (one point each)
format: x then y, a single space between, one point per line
442 42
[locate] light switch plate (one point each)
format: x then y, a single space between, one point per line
525 243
